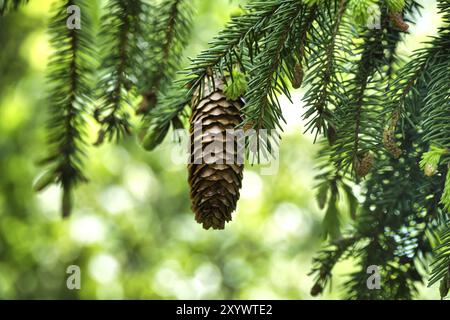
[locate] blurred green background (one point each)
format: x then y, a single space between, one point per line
132 232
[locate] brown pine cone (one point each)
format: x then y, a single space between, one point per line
215 176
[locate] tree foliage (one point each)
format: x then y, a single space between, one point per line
382 124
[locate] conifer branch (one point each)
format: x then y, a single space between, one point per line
349 72
169 35
437 73
262 107
328 36
69 97
121 29
408 240
240 35
423 63
358 116
245 30
412 217
305 33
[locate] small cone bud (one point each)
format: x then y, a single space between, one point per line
430 170
316 290
298 76
331 135
389 140
397 20
364 164
390 144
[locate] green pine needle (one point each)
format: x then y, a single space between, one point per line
236 86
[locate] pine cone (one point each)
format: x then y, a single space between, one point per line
215 176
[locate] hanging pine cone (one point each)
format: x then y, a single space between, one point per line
215 176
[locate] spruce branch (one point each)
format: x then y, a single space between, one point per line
240 35
167 38
305 31
357 118
436 111
328 36
161 119
120 31
397 224
245 30
332 186
263 108
358 122
430 65
352 137
69 97
394 36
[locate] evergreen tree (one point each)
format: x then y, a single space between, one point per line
382 123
